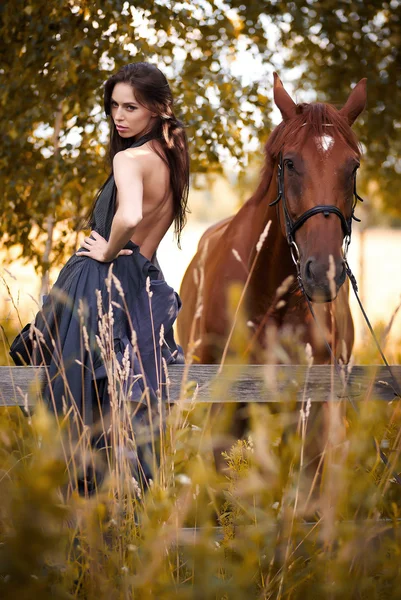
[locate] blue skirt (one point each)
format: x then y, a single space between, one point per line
104 321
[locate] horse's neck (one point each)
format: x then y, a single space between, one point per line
273 263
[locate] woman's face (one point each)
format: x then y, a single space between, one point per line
130 117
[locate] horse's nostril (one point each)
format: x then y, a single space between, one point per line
308 270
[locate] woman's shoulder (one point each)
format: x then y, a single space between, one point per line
147 159
151 151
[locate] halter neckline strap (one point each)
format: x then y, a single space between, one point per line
142 140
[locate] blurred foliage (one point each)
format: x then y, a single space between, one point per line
336 43
33 536
301 508
281 535
367 352
8 331
54 60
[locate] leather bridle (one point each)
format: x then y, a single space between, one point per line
292 226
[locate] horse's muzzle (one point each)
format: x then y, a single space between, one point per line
322 281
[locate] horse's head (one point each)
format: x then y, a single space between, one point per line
317 156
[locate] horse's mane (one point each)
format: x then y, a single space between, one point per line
316 119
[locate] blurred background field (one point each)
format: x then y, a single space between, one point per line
374 257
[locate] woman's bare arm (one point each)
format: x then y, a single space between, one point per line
128 176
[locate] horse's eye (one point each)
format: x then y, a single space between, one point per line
290 165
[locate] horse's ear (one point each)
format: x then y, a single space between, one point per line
282 99
356 102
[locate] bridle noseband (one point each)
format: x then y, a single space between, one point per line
292 226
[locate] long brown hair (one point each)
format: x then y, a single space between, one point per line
153 91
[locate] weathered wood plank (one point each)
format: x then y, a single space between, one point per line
370 529
239 383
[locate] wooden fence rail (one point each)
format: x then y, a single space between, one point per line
239 383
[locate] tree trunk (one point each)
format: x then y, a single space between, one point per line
44 286
361 278
50 219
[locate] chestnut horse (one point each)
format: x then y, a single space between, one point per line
306 192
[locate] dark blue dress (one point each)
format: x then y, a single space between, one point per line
76 342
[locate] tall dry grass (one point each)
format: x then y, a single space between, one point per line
266 526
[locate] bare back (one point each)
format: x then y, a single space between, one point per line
157 202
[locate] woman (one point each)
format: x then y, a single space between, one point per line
115 269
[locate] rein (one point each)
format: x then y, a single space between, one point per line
291 227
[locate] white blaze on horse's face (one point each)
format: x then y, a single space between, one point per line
324 142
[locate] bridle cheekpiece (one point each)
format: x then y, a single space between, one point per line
292 226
